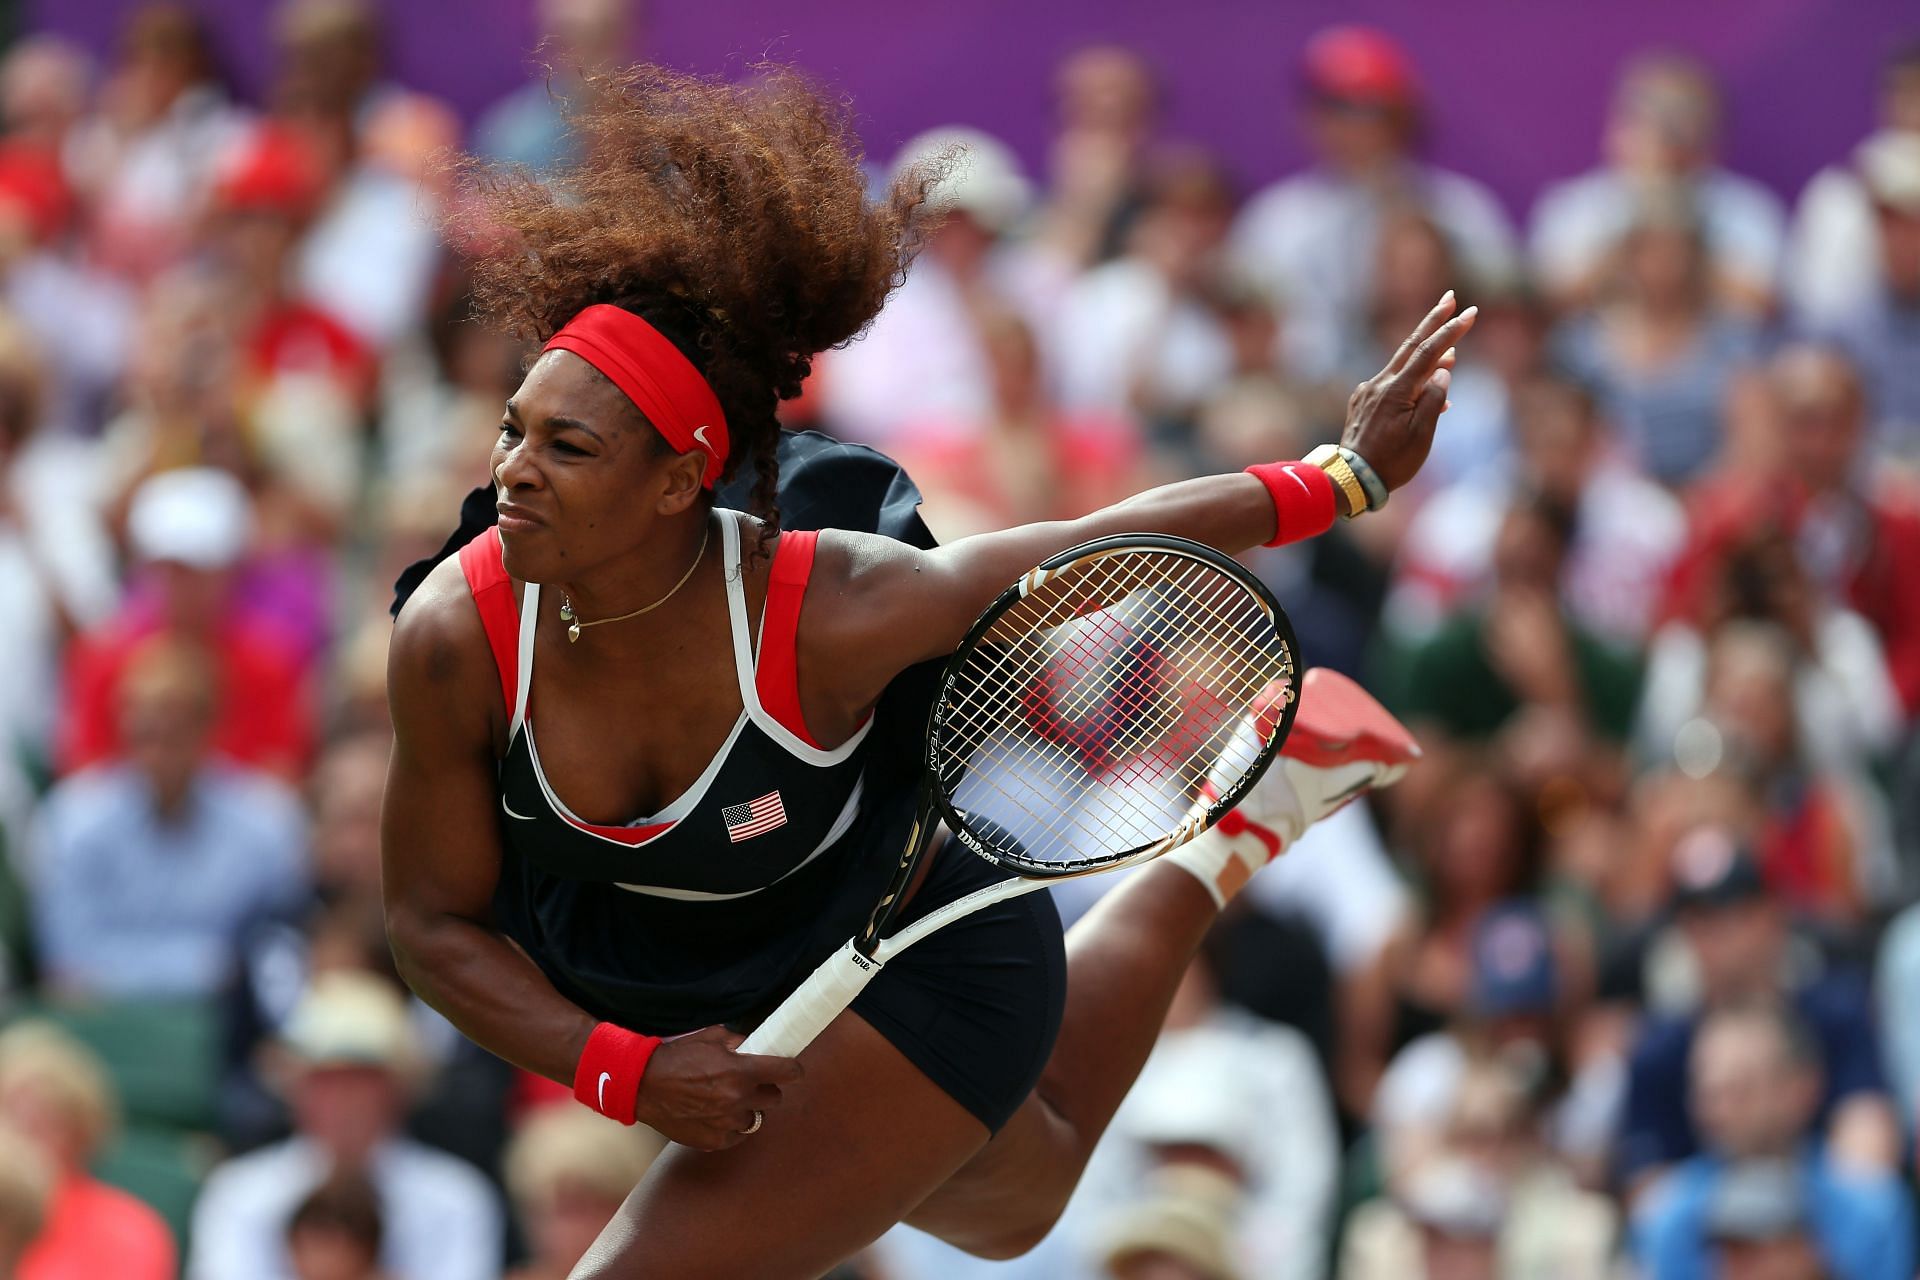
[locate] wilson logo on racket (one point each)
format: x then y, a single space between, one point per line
754 818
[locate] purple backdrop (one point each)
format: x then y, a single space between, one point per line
1517 88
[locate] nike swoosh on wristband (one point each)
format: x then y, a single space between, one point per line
1297 480
604 1077
524 817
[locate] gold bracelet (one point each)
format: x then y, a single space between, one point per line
1327 458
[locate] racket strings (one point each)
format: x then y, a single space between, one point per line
1106 701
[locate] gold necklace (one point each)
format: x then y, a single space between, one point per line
574 625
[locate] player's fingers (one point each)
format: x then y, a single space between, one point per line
762 1068
1441 310
1426 357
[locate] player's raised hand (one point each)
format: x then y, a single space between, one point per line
698 1092
1391 416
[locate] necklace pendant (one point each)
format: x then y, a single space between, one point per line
566 609
573 633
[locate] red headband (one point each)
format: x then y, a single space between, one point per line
661 382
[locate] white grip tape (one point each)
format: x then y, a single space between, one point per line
818 1001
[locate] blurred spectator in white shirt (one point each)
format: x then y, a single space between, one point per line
143 868
1834 264
1627 530
145 160
924 359
1662 133
1141 336
1311 238
350 1057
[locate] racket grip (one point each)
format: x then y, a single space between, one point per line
818 1001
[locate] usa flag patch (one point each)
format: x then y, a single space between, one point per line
754 818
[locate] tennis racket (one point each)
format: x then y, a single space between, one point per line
1105 709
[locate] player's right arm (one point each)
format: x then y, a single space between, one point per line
440 855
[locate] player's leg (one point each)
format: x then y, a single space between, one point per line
860 1140
1126 957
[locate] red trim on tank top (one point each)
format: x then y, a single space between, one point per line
486 572
776 674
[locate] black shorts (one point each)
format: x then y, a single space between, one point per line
975 1006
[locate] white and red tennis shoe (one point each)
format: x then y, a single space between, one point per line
1343 743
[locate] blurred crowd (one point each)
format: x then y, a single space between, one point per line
1624 979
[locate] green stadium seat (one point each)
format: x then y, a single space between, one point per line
163 1055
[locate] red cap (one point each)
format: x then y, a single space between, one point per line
273 170
1360 64
31 181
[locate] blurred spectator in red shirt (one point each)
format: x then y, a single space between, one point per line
1858 533
53 1090
145 161
25 1184
1661 134
1834 260
1311 238
192 527
568 1170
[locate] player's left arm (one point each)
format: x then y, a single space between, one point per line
876 606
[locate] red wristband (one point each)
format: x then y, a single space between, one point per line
608 1077
1303 500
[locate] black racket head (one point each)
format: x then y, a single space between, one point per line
1109 706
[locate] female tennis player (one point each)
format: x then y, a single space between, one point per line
728 679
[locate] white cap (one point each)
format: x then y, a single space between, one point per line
198 516
984 182
1890 163
349 1018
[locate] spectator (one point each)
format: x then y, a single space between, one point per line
1516 992
144 162
192 527
1737 940
56 572
350 1055
1856 528
1627 532
924 359
1758 1226
144 867
24 1183
1478 846
567 1171
577 37
1141 336
1756 1087
1882 331
1657 349
336 1232
1311 238
1487 1201
1027 460
55 1093
1182 1230
1109 103
1662 134
1515 653
1834 261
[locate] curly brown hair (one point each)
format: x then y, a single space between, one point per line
732 218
